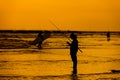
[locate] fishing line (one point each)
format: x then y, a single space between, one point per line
64 35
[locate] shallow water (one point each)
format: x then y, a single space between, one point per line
53 62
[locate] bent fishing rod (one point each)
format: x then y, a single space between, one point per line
64 35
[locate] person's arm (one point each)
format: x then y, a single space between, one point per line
69 43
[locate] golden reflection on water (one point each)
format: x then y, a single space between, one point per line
99 57
58 62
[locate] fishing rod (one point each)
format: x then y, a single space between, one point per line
64 35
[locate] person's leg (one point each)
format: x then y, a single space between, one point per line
74 60
75 64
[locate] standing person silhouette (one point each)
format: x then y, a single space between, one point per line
108 36
73 51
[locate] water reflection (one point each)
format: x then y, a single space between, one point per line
99 56
74 77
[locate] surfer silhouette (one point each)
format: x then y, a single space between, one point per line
73 51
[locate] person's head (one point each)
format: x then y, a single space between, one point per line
73 36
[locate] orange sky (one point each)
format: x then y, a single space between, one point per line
67 14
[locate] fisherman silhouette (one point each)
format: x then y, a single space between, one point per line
38 40
73 51
42 36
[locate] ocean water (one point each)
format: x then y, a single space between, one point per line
21 61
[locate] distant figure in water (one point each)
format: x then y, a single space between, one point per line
73 51
108 36
38 40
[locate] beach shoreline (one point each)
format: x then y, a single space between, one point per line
19 60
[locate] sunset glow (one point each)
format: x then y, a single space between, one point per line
82 15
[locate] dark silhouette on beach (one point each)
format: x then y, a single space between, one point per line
73 51
115 71
38 40
108 36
